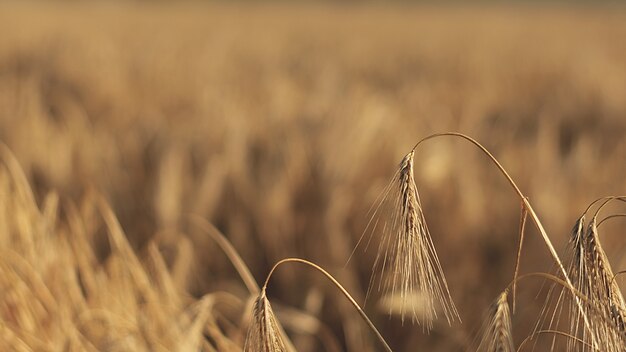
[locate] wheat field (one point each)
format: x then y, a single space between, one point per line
156 161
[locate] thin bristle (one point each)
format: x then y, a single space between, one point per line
264 333
407 260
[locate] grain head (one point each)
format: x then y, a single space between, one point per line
498 334
406 260
264 332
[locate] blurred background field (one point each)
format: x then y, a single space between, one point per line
281 124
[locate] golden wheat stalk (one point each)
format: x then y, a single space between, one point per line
264 334
244 273
533 215
575 343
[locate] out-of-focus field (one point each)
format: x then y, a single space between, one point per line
281 125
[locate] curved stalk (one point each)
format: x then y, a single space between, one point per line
606 200
338 285
229 251
617 274
522 228
553 278
554 332
529 208
605 203
574 292
620 215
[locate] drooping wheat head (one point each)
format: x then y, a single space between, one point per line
604 291
497 333
264 333
592 276
407 261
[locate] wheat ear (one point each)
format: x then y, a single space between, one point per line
407 261
531 213
241 267
498 332
605 292
263 333
591 271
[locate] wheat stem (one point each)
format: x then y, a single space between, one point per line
572 289
607 198
554 332
621 215
338 285
605 203
522 228
528 206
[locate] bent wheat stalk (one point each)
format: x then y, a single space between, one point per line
522 228
261 304
497 332
609 217
263 333
605 201
531 213
536 334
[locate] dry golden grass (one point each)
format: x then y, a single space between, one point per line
281 125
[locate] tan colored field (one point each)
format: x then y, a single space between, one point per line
281 125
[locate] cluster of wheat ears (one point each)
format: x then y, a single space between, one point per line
585 306
407 265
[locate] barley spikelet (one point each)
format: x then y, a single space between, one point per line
264 332
578 272
604 291
407 261
605 285
592 276
498 333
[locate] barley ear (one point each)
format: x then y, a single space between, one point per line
264 332
498 333
605 292
522 228
407 262
591 273
531 213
